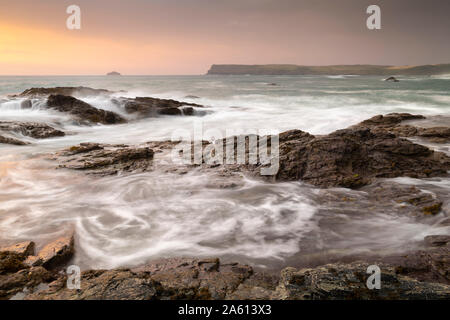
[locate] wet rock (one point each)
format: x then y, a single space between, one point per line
26 104
435 134
8 140
354 157
66 91
151 107
24 249
184 278
11 262
23 280
430 265
348 281
120 284
178 278
259 286
30 129
415 201
102 159
437 241
388 120
391 123
54 254
82 110
196 278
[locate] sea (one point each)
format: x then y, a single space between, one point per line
127 220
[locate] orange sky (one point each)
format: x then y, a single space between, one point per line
187 36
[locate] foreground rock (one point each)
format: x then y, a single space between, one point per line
348 281
202 279
82 110
422 274
18 276
53 254
102 159
23 249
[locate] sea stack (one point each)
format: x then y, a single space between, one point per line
113 73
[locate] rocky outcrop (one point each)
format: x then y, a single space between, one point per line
422 274
82 110
392 123
194 279
53 254
408 199
102 159
8 140
30 129
23 249
351 158
113 73
66 91
348 282
354 157
151 107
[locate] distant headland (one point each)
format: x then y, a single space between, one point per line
113 73
290 69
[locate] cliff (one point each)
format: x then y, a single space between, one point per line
290 69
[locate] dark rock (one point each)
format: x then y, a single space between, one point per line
8 140
120 284
104 160
178 278
83 110
197 278
151 107
391 123
388 120
415 201
188 278
354 157
113 73
348 282
435 134
30 129
23 280
26 104
66 91
392 79
437 241
11 262
192 97
430 265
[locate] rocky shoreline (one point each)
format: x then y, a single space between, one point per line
359 157
422 274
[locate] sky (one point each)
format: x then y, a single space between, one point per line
144 37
